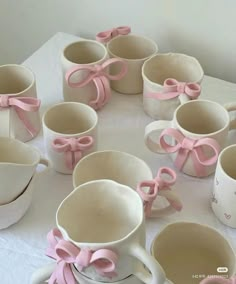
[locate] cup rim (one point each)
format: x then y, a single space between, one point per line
108 152
220 161
89 41
151 41
110 243
170 54
31 73
91 110
21 144
200 135
198 224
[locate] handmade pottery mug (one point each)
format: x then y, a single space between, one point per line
101 232
133 172
18 163
190 252
86 77
70 132
224 190
194 137
169 80
134 50
19 106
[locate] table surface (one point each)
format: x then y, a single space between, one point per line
121 127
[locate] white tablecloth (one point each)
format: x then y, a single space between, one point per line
121 127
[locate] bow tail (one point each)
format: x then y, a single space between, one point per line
198 156
32 131
98 102
76 158
69 158
181 158
62 274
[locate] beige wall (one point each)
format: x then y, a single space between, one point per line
202 28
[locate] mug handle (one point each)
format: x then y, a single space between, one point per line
41 275
156 274
152 128
175 204
47 163
231 107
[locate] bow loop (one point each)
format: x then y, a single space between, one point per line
4 101
106 36
99 75
21 105
73 148
218 280
190 147
173 88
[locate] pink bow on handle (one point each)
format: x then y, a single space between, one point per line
106 36
99 75
21 105
73 148
218 280
186 146
66 253
155 185
172 89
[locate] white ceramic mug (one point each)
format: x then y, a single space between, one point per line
70 132
169 80
194 137
224 190
86 77
18 162
13 211
133 172
19 106
101 232
134 50
190 253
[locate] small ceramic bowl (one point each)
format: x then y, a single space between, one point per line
12 212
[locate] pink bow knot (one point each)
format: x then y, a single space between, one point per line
186 147
106 36
73 148
154 186
173 88
66 253
21 105
99 75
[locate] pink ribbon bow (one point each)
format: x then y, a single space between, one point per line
66 253
106 36
172 89
218 280
186 146
73 148
155 185
21 105
100 77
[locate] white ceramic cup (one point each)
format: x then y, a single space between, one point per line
70 132
19 106
86 77
194 137
101 231
224 190
18 163
133 172
134 50
190 252
169 80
